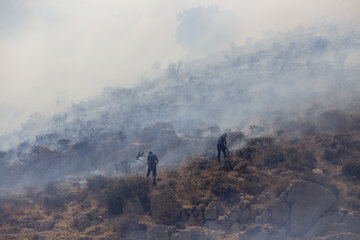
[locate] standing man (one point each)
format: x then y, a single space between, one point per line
152 161
221 146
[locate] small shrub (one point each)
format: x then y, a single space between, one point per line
118 191
224 186
97 183
247 152
352 169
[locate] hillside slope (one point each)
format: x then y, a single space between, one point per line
301 183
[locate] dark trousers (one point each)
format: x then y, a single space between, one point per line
221 148
151 168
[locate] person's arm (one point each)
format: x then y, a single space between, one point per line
148 160
157 160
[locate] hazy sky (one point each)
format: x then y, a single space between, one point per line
54 52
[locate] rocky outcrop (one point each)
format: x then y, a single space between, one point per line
210 212
308 202
165 208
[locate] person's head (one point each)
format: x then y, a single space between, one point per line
224 134
150 152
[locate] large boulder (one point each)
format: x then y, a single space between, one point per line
132 205
308 202
165 208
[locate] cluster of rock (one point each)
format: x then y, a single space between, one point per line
306 210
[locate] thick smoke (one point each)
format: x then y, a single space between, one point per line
251 85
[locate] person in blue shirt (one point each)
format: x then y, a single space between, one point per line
152 161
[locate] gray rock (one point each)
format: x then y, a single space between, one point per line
325 224
192 222
158 232
200 218
256 232
135 235
279 213
165 208
279 235
210 212
44 225
182 235
308 201
132 205
342 236
214 225
129 229
199 235
244 216
232 217
352 222
196 210
263 218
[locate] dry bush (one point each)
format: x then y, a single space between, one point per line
97 183
299 159
247 152
224 186
351 169
121 189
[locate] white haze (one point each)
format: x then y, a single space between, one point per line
55 52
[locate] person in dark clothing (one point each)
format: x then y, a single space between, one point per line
221 146
152 161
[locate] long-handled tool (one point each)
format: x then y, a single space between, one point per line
139 155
